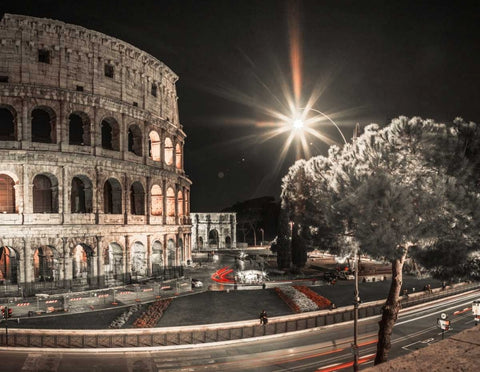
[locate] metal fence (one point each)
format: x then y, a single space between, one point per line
208 333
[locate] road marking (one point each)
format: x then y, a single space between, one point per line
430 314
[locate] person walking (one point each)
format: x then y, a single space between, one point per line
263 318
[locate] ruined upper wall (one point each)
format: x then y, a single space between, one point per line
45 52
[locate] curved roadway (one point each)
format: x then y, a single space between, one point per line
321 349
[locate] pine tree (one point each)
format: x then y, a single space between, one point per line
407 189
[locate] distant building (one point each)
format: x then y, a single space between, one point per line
211 231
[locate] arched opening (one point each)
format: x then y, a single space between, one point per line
82 268
200 242
137 199
7 194
45 194
171 252
228 242
213 238
110 134
43 125
113 263
8 266
8 127
81 195
157 258
170 202
180 203
178 156
135 140
168 151
157 200
79 129
112 194
45 264
139 260
154 146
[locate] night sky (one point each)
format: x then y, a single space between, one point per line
372 60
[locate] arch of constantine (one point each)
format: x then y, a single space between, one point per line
93 190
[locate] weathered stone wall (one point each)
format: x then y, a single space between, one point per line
59 70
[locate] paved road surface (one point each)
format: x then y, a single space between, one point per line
304 351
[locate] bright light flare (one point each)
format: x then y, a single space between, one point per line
298 124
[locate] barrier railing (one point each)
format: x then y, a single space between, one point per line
208 333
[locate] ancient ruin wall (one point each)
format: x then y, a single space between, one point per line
92 183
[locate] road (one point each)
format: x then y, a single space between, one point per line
323 349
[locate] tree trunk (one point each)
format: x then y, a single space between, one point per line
389 312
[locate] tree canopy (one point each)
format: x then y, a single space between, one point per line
411 188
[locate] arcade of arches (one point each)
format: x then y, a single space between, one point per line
81 267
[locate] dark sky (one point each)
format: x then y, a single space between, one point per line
375 60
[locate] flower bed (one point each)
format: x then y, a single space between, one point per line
296 300
153 314
322 302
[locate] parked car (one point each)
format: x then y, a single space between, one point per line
196 283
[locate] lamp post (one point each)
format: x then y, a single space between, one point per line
297 124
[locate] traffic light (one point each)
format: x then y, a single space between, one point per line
6 312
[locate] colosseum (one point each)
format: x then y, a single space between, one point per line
93 191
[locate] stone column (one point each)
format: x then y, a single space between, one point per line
149 255
128 269
100 264
67 264
164 201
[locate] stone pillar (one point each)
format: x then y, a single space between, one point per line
164 201
149 255
67 264
128 269
177 189
99 262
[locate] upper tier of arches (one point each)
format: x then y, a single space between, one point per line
109 134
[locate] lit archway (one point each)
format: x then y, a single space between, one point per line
45 264
157 200
154 146
82 263
178 156
7 194
168 151
170 202
8 265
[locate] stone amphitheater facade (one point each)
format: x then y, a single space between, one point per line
93 191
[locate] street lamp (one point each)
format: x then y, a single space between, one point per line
298 124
